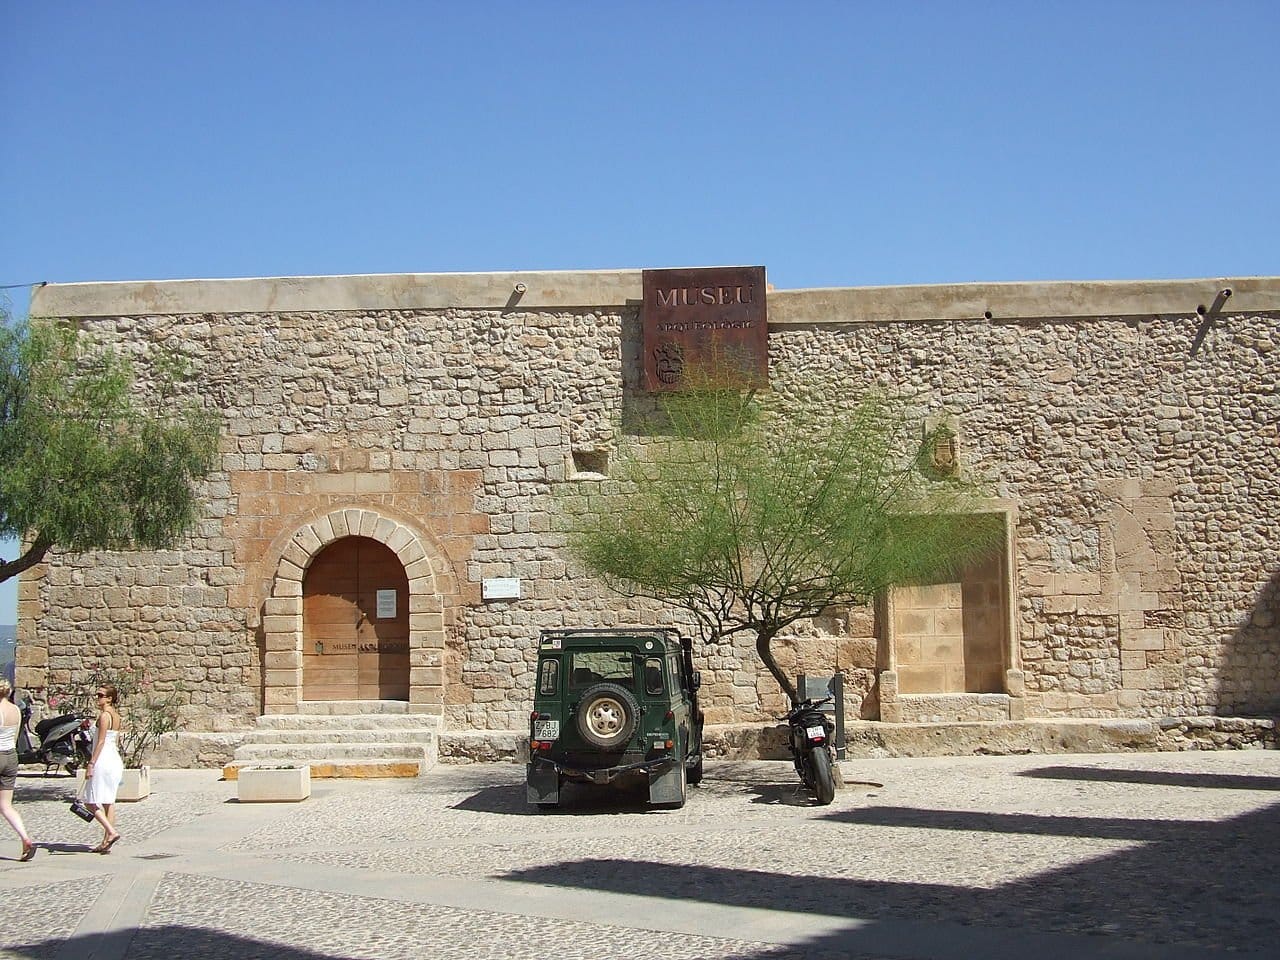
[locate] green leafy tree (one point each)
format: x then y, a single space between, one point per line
751 515
88 459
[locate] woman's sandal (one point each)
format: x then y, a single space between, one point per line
106 845
28 852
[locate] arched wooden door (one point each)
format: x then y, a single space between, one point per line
355 623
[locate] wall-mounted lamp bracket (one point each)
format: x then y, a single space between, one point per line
1207 316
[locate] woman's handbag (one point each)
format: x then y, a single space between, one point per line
78 806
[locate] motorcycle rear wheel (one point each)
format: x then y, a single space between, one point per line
824 781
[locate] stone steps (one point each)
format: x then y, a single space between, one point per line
305 752
366 721
348 708
371 739
345 735
330 769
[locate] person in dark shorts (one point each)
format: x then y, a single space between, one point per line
10 720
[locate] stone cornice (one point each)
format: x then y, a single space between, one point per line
551 290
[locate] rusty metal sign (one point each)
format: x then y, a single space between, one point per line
704 324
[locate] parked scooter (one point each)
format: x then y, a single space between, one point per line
61 741
810 736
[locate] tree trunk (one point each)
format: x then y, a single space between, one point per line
35 553
763 641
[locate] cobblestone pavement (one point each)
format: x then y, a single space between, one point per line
1168 856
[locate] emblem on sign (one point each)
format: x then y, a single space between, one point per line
941 453
668 360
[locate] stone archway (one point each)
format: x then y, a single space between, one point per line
282 610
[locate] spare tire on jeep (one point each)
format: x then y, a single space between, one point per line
607 716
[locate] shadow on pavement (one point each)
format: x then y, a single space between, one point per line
163 943
53 846
1111 828
576 799
1213 885
783 794
1161 778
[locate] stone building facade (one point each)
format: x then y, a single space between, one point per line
1128 433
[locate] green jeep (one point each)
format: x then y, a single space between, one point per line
615 703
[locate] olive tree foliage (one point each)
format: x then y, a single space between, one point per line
88 459
751 516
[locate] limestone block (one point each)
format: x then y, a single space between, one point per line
1060 604
338 520
281 624
307 539
323 528
426 622
1099 606
1076 583
368 523
425 695
277 641
426 676
282 660
282 607
399 538
282 678
1145 639
1015 683
286 587
281 694
1138 601
273 784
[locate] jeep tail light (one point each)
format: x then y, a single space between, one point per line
670 744
534 715
670 715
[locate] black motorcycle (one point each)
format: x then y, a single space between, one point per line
61 741
811 736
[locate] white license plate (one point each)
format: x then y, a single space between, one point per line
815 733
546 729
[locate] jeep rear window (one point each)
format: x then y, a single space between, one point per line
653 677
597 666
547 676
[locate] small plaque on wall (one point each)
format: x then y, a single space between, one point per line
386 604
500 588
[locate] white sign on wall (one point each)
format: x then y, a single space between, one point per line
500 588
386 604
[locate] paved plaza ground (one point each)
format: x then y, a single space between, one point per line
1033 857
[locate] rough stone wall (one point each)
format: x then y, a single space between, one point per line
1148 537
1147 547
460 420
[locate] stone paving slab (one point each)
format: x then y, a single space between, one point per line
1162 856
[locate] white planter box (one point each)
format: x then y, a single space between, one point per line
273 784
134 785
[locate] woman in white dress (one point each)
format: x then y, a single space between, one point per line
102 775
10 720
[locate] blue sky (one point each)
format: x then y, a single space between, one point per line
836 143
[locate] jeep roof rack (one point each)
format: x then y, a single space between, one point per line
607 631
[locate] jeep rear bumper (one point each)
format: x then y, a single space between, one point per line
599 775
